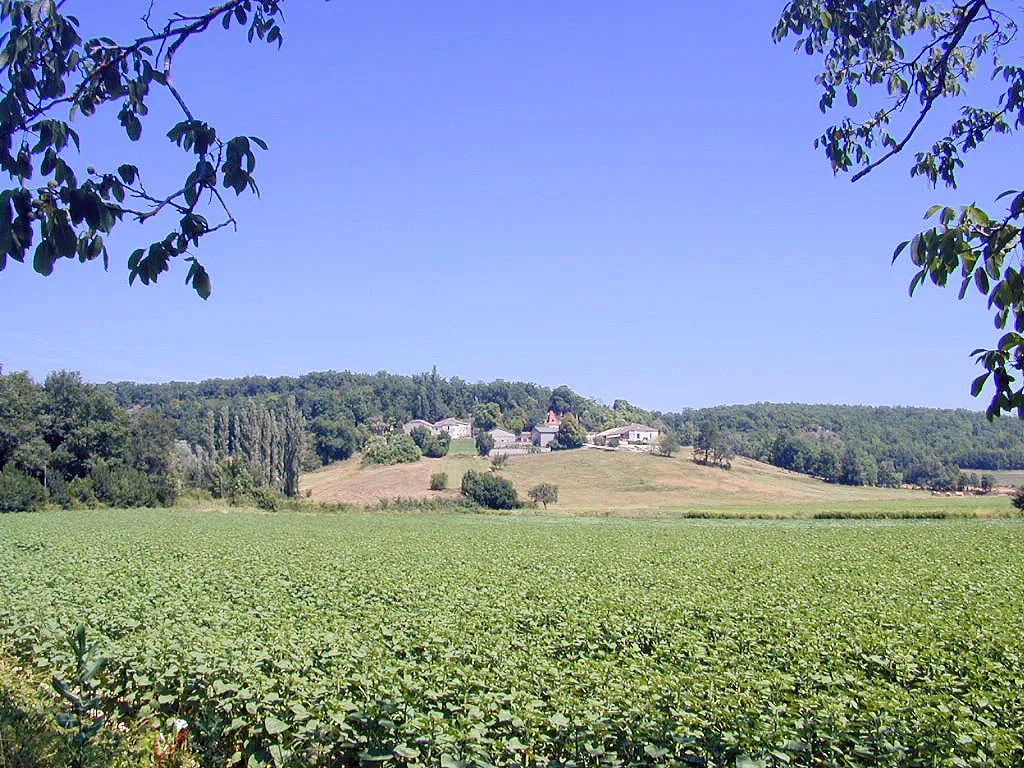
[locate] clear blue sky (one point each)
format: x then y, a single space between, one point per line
620 197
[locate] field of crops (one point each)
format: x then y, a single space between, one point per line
462 640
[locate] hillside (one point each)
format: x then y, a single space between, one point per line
927 446
592 481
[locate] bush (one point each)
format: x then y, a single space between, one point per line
437 445
1018 498
439 481
570 435
499 461
80 493
489 490
421 436
545 494
19 492
484 443
121 486
397 449
666 444
239 482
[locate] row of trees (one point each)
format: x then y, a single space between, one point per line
69 442
344 410
86 443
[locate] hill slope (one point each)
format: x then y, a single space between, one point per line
605 482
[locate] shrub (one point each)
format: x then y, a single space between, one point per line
421 436
570 435
1018 498
484 443
19 492
666 444
80 493
545 494
439 481
121 486
239 482
397 449
489 490
499 461
437 446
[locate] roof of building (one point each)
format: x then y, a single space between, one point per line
614 431
496 430
546 428
419 421
450 422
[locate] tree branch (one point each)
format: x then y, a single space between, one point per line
931 96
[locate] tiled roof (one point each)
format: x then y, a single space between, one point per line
450 421
547 427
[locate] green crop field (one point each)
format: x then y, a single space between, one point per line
453 641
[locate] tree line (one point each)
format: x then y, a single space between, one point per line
71 443
248 439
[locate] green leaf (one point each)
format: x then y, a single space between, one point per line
128 173
273 726
978 384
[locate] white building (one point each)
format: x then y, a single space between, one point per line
503 438
454 427
631 433
409 426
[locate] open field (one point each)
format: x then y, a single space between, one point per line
638 484
1009 477
464 640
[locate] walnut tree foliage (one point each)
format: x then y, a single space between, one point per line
51 79
894 65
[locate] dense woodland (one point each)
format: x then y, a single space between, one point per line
248 439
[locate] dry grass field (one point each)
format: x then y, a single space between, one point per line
601 482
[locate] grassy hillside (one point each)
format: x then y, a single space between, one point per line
600 482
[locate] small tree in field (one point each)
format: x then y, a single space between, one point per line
484 443
439 481
667 444
1018 498
570 434
545 494
489 490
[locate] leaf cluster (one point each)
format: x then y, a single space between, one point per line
52 76
912 56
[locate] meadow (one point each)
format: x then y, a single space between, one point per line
465 640
595 482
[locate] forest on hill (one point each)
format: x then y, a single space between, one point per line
248 438
839 443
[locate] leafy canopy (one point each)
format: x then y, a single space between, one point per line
908 57
50 77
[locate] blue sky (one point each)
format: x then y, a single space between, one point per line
622 198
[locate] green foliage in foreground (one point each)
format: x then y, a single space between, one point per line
468 640
19 492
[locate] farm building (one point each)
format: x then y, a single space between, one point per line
409 426
503 438
544 433
631 433
454 427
